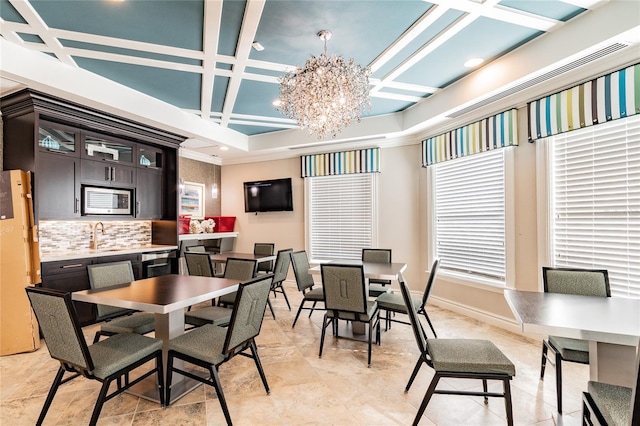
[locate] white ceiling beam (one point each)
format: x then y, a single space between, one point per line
585 4
253 12
211 29
41 29
134 60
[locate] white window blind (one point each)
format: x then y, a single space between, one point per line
595 199
470 215
341 216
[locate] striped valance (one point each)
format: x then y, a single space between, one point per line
606 98
341 163
493 132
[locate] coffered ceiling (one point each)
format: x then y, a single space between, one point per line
192 62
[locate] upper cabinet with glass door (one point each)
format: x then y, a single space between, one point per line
58 138
149 157
111 150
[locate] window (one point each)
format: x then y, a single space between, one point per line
340 215
470 216
595 201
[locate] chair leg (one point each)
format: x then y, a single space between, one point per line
312 308
298 314
559 380
52 392
256 359
507 402
160 376
369 349
215 380
433 330
543 363
169 377
324 328
100 402
271 308
485 389
286 299
414 373
427 398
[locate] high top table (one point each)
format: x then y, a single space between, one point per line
166 296
611 324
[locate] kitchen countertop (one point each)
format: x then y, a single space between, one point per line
82 254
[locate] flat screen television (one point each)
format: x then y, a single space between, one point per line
268 196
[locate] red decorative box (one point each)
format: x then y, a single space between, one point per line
223 223
185 221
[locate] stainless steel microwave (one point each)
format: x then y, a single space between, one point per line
106 200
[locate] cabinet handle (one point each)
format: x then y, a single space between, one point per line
113 173
74 265
76 206
137 208
107 173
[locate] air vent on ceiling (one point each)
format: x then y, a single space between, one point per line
542 78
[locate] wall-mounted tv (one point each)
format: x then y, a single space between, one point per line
268 196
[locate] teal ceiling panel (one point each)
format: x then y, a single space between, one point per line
232 15
256 97
9 13
253 130
220 85
549 8
31 38
181 89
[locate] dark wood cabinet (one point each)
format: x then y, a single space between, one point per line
104 173
57 189
70 275
149 194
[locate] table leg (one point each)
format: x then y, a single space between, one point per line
611 363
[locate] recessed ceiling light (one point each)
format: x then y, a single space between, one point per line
224 148
276 103
473 62
257 46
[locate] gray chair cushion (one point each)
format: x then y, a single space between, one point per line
575 350
394 302
139 323
372 308
614 402
204 343
120 351
216 315
315 294
469 356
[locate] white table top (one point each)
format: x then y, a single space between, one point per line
602 319
160 295
222 257
381 271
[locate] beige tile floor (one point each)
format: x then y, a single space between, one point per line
337 389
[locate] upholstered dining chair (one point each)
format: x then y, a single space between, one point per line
237 269
280 271
105 361
305 283
200 249
458 359
264 249
585 282
117 320
394 302
346 298
377 286
607 404
199 263
211 346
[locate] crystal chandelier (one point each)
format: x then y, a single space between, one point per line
329 93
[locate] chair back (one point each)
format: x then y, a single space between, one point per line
248 312
59 324
281 269
197 249
264 249
240 269
376 255
198 263
345 288
300 262
105 275
430 281
413 316
584 282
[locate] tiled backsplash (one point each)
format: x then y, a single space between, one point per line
64 236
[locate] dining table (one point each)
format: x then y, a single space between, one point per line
222 257
380 271
610 324
166 296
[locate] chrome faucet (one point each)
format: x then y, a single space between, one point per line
93 244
